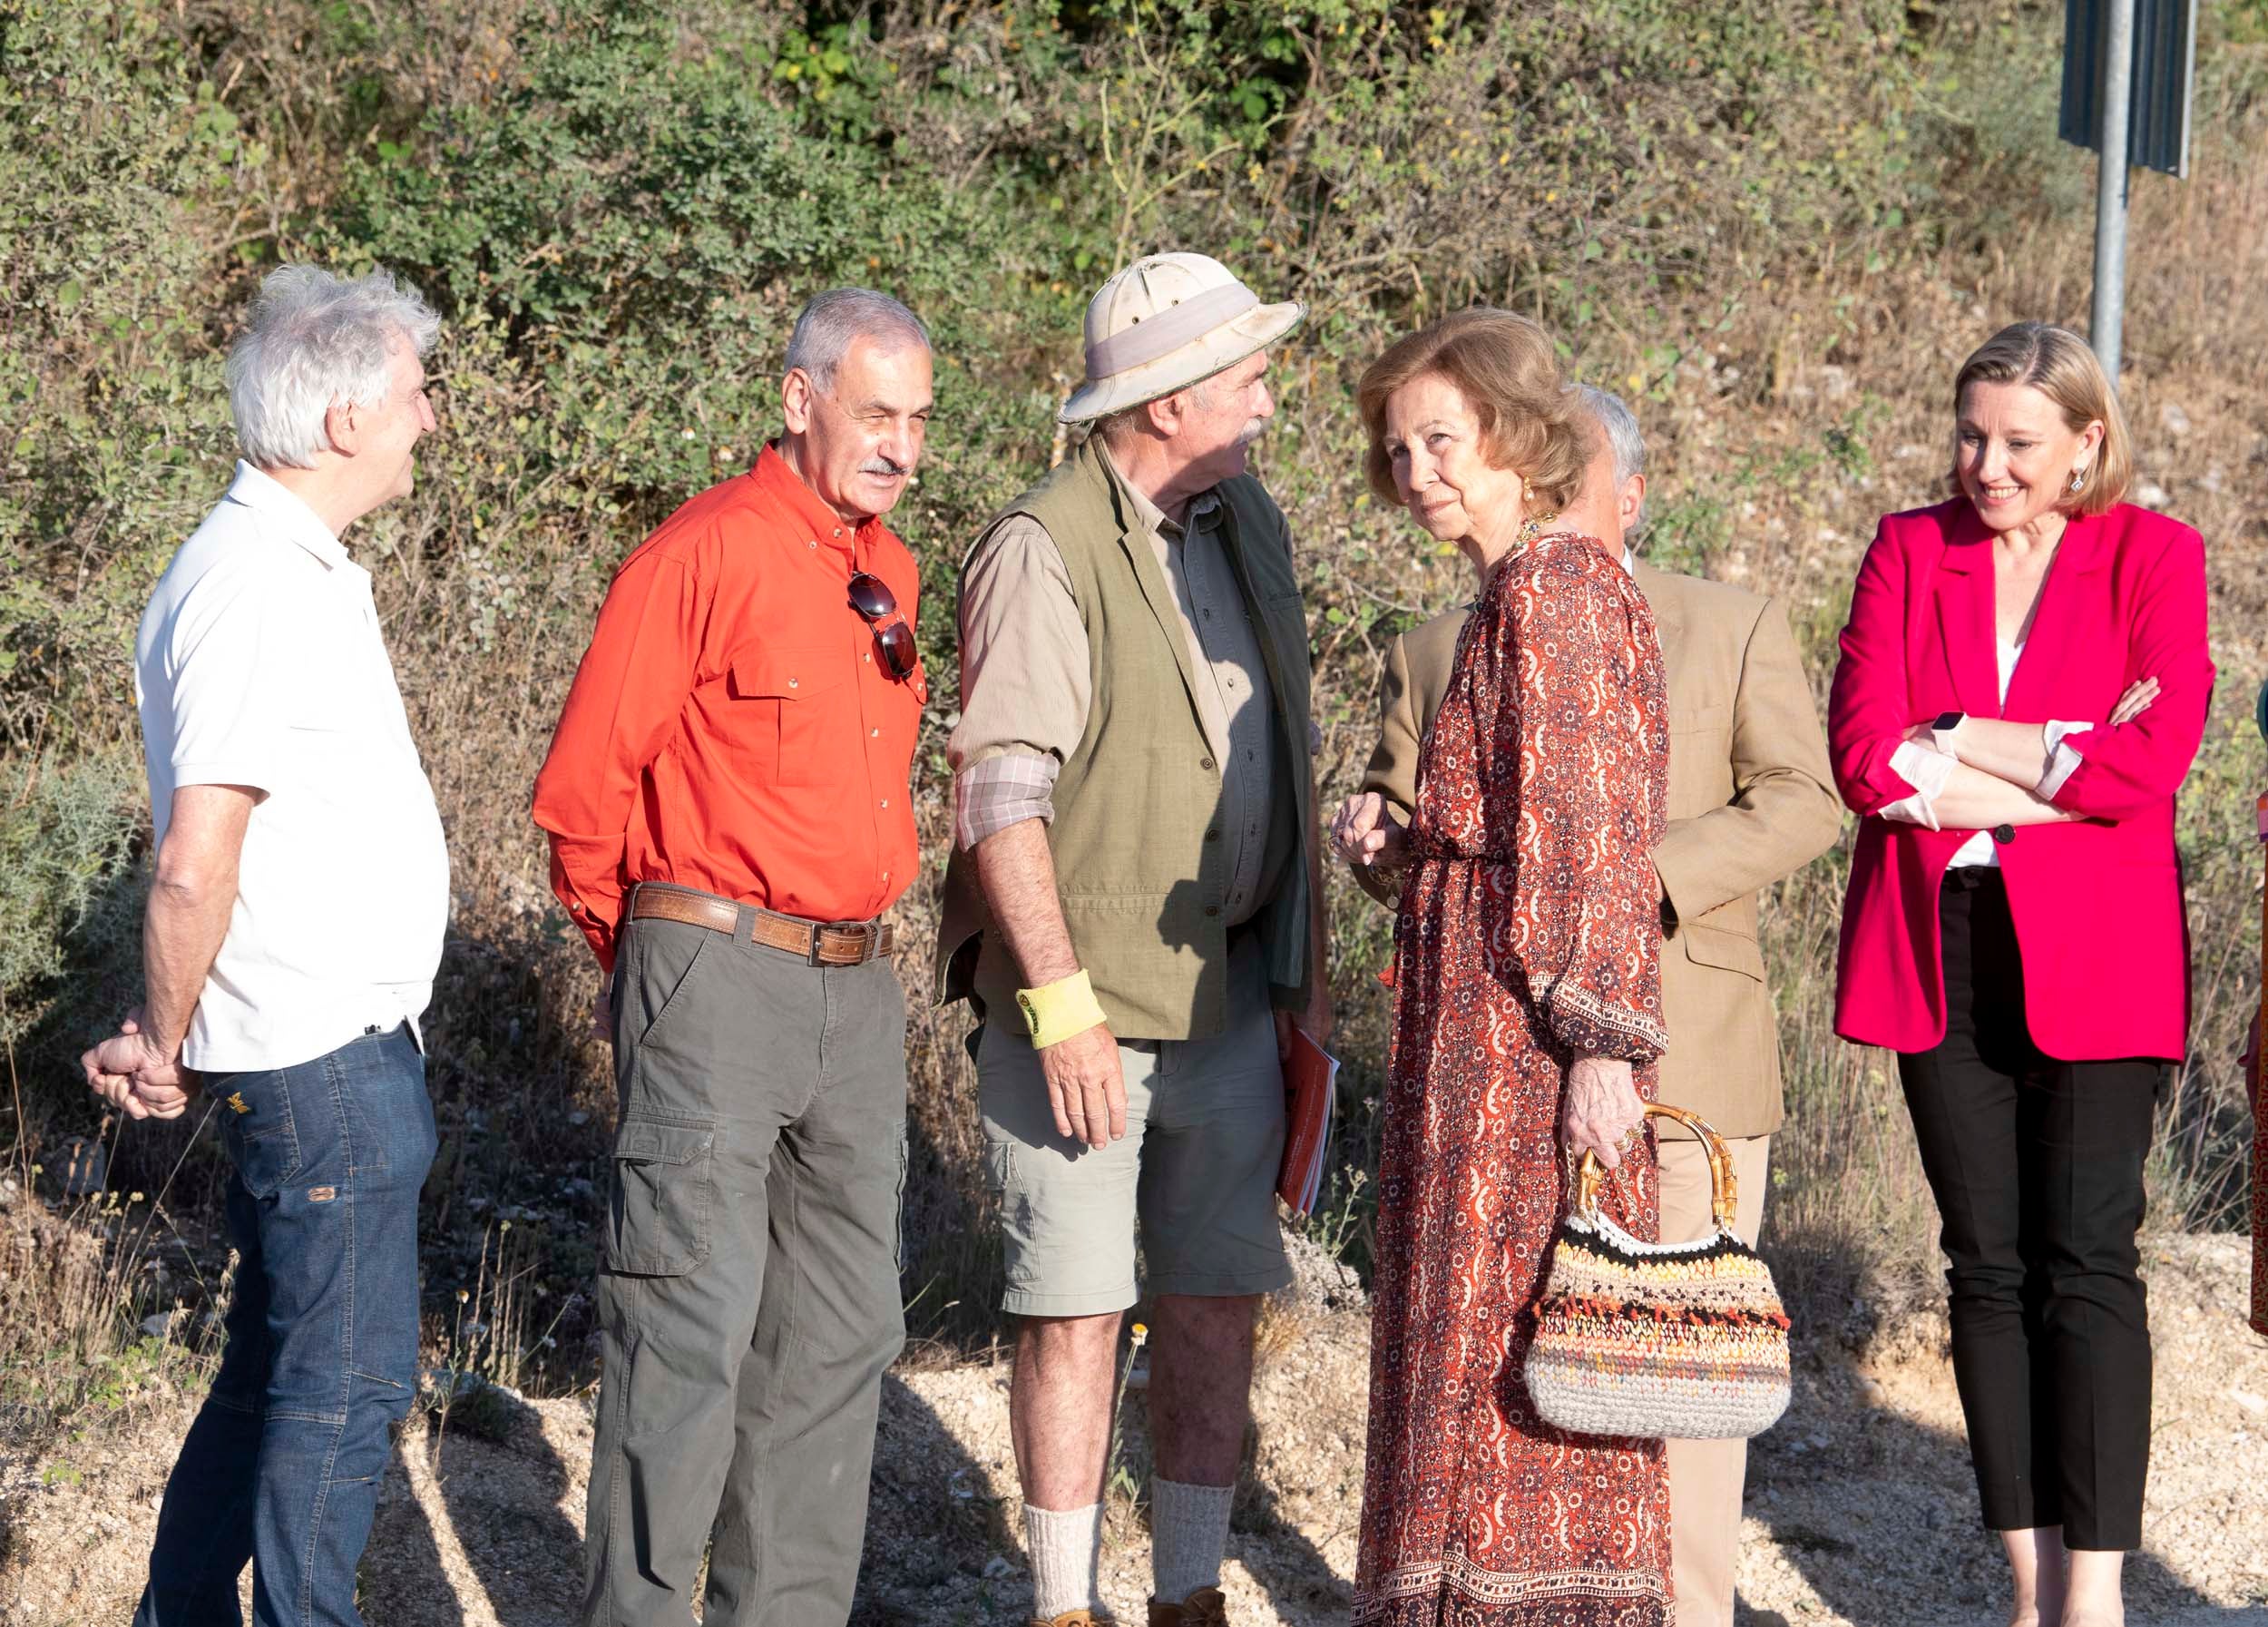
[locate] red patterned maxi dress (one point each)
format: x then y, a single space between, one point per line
1529 929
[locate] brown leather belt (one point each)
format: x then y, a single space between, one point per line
819 942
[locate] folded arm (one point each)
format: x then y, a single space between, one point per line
2020 753
2037 757
1950 795
2125 768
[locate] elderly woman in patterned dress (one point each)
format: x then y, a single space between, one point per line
1528 1008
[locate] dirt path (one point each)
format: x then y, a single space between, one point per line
1859 1506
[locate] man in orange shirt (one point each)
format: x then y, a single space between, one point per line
727 798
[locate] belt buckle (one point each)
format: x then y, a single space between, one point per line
867 945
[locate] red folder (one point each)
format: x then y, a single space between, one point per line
1310 1092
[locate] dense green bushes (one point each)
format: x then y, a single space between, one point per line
1773 224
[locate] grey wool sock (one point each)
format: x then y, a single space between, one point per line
1189 1534
1066 1559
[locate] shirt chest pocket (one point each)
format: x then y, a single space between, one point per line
789 714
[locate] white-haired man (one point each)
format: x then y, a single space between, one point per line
290 945
727 798
1751 801
1134 905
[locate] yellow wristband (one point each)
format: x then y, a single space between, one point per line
1059 1010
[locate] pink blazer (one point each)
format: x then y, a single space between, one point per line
2098 902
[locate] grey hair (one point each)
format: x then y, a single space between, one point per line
826 327
1623 436
1113 428
313 341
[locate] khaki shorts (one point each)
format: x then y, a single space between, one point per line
1197 1167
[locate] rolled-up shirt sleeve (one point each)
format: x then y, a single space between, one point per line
1926 772
1025 680
990 796
2063 758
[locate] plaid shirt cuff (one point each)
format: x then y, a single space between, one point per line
989 797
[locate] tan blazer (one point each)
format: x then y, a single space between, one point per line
1751 800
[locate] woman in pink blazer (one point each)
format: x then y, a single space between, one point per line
2024 681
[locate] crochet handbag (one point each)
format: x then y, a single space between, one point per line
1636 1338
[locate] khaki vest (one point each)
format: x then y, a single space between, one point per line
1140 863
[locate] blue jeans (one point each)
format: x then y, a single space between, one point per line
283 1463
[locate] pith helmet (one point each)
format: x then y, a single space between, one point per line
1165 322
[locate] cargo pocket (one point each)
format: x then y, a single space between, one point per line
898 1208
999 1166
658 1211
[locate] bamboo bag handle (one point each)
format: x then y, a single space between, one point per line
1724 1184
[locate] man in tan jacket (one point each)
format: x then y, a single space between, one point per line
1751 801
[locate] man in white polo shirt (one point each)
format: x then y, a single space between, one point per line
291 942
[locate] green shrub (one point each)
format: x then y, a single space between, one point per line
68 897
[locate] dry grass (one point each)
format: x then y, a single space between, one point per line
104 1306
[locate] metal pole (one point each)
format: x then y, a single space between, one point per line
2258 1083
2110 185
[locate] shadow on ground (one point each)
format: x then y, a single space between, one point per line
1878 1514
486 1530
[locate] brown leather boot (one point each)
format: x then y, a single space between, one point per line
1081 1617
1206 1607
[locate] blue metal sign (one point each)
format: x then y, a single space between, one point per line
2165 62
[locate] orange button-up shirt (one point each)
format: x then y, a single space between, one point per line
733 727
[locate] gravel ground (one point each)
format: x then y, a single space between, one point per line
1860 1507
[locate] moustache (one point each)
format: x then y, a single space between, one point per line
883 466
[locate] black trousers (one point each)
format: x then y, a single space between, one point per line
2036 1167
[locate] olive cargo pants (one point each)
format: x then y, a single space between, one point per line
748 1298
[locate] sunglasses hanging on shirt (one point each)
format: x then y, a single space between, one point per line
871 597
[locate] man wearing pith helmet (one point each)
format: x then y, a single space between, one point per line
1134 910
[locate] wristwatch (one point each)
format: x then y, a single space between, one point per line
1941 729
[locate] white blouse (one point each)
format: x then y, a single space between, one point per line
1927 769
